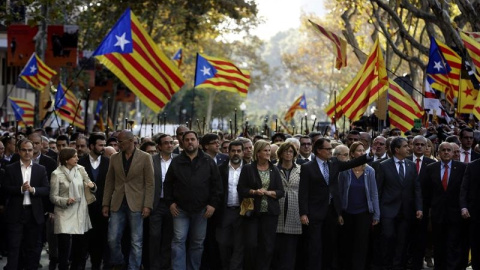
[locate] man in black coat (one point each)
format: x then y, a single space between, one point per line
319 203
25 185
441 181
400 202
96 166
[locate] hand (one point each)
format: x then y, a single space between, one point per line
465 213
209 212
146 212
70 201
340 220
51 217
262 191
105 211
375 222
304 219
25 186
419 214
90 184
31 190
174 210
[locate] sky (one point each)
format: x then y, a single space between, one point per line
282 15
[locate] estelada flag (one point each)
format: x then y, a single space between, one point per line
36 73
23 110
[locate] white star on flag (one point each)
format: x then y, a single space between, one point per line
438 66
121 41
33 69
206 71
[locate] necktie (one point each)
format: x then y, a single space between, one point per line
325 172
418 165
445 177
401 171
466 160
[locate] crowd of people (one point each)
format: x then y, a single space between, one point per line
361 200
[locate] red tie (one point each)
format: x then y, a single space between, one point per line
418 165
466 160
445 177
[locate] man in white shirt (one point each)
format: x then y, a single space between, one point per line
467 154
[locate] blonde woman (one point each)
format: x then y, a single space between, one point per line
67 193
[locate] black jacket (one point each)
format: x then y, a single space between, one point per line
193 184
250 179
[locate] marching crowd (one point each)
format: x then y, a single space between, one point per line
361 200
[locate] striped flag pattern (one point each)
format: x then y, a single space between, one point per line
66 104
23 110
299 104
340 49
369 83
455 62
131 54
36 73
221 74
402 108
178 58
472 44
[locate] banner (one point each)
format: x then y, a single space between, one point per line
21 44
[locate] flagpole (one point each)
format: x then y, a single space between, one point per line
335 113
193 90
106 129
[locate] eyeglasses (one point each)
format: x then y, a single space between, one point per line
305 144
328 149
344 154
167 142
214 142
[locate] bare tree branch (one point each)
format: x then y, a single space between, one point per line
350 36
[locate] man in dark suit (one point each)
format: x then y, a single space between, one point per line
211 146
96 166
467 154
319 202
161 224
25 185
441 182
420 233
179 136
400 202
227 218
470 207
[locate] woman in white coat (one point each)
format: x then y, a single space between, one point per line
71 222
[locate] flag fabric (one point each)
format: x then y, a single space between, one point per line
178 58
299 104
23 110
221 74
98 116
402 108
431 102
340 49
36 73
369 83
66 104
467 93
472 44
131 54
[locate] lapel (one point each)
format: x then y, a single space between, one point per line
392 167
453 174
317 170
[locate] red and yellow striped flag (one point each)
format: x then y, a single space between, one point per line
455 62
402 108
340 49
130 53
299 104
467 93
66 106
36 73
471 40
369 83
23 110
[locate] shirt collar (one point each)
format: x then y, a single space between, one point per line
161 157
449 164
230 165
30 164
94 160
397 160
415 158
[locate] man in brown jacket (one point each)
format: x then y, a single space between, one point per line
128 197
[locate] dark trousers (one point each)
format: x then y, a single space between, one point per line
285 251
210 258
77 245
447 245
97 236
160 238
302 249
229 235
395 233
260 232
24 234
475 243
355 235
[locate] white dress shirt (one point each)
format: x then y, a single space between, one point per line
165 164
26 175
94 162
233 176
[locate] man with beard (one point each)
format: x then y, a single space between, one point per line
192 191
96 166
81 145
228 220
247 149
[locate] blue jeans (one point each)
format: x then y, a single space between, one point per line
193 226
116 227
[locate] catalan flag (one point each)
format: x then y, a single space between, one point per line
472 44
23 110
66 103
130 53
221 74
340 48
467 93
178 57
299 104
431 102
369 83
402 108
36 73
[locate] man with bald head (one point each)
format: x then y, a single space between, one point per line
341 152
128 197
366 139
109 151
456 151
379 149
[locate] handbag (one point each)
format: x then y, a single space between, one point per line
246 207
89 196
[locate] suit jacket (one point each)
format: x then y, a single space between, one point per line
100 181
12 185
300 159
474 155
398 196
221 158
444 204
137 187
425 162
157 168
313 195
52 154
470 190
